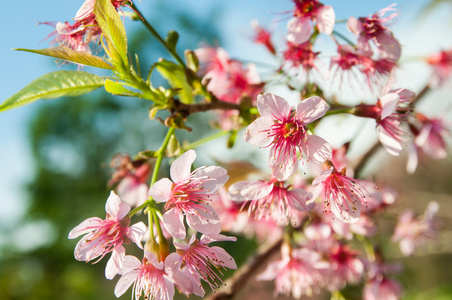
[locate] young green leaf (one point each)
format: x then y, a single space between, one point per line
171 39
54 85
116 88
72 56
175 74
112 27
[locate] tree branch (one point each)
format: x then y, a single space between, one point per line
240 278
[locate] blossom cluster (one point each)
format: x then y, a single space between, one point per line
306 194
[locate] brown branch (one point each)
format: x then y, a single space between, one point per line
422 93
365 158
240 278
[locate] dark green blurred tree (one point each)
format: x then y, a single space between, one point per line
72 142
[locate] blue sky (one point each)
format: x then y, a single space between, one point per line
18 29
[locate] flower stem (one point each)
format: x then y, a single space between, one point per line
343 37
157 36
344 110
161 154
209 138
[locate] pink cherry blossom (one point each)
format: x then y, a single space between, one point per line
133 188
284 130
148 278
301 60
382 288
353 62
105 236
263 36
374 28
305 13
413 232
298 272
188 194
345 266
272 199
197 261
442 67
341 195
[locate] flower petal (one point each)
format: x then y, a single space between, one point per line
174 223
86 226
125 282
311 109
354 25
224 258
256 190
388 104
234 192
257 134
115 207
116 262
318 150
299 30
326 19
181 167
161 190
132 192
216 178
205 220
271 105
135 233
392 145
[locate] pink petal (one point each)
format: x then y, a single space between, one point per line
179 277
83 12
389 46
135 233
388 104
283 166
181 167
217 177
132 192
205 220
256 190
86 226
169 288
345 212
116 262
174 223
299 30
255 134
301 196
412 159
131 263
224 257
311 109
161 190
354 25
210 238
391 145
234 192
318 150
271 105
125 282
115 207
153 260
326 19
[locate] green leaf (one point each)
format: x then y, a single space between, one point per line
173 148
116 88
175 74
72 56
112 27
171 39
54 85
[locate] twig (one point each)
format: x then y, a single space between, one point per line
240 278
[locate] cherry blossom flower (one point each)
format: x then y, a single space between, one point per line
442 67
197 261
148 278
188 195
373 28
341 195
133 188
345 266
229 81
413 232
263 36
305 13
301 60
284 130
354 61
273 199
105 236
298 272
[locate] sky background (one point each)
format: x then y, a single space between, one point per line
419 36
